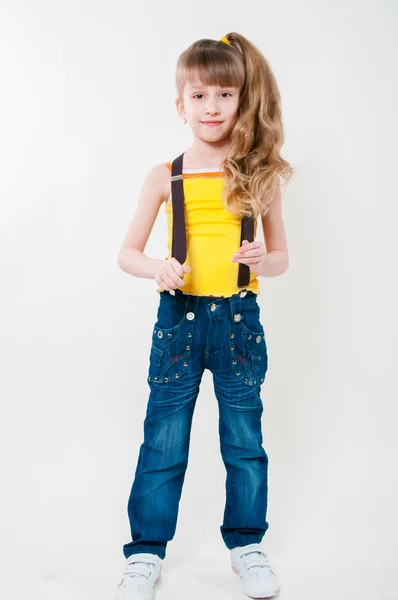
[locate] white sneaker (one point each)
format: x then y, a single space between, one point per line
142 572
251 564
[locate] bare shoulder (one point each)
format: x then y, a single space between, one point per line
152 194
158 179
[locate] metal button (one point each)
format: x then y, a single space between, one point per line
213 307
172 292
160 334
258 339
190 316
237 317
243 294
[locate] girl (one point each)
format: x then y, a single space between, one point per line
208 315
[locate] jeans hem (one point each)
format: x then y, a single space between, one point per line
145 548
242 540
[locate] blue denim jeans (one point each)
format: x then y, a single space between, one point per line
193 333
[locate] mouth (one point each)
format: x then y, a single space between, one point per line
211 123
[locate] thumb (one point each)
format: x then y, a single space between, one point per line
244 242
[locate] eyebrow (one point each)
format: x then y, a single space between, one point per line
193 87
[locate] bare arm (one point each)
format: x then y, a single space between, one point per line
277 257
131 258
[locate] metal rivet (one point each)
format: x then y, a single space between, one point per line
169 335
155 332
213 307
232 335
237 317
262 379
190 316
187 347
177 375
232 347
254 382
243 294
238 372
172 292
249 337
189 334
234 362
185 364
258 339
160 334
245 380
155 378
166 379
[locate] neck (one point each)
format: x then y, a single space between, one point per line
205 154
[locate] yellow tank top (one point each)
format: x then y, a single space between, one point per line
213 236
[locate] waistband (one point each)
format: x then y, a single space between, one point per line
234 302
247 293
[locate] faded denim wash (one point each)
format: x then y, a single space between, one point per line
193 333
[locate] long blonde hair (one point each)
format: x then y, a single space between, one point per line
253 165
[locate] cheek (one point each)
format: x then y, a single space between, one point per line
194 110
233 112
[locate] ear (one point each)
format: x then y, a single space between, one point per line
180 107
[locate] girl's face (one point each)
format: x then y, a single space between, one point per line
203 105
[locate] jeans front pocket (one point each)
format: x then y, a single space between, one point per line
161 339
248 348
170 354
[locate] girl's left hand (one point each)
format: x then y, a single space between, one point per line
252 254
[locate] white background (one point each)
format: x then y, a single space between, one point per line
86 109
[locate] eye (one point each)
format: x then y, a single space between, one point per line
199 94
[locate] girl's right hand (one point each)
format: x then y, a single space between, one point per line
169 274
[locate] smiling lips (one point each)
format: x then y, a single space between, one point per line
211 123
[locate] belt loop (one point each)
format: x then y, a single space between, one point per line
192 304
235 305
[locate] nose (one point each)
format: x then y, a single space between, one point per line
212 108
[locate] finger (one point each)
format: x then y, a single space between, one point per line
249 253
177 281
250 246
248 261
177 266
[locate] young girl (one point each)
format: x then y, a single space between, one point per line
208 315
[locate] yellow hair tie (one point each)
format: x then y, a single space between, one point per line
224 39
